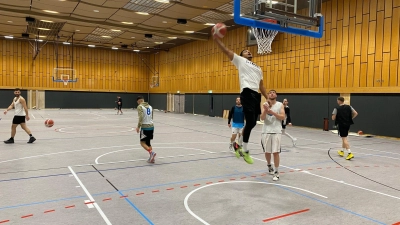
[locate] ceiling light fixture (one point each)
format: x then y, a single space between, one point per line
42 36
127 22
40 40
132 37
209 24
164 22
92 46
9 37
162 1
115 48
158 42
136 50
47 21
142 13
66 43
172 37
49 11
96 11
106 36
9 21
115 30
189 31
41 28
77 30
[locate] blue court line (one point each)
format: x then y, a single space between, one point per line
136 208
315 199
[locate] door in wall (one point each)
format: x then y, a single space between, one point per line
179 103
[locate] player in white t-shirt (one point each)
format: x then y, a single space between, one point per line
251 80
20 114
273 114
146 127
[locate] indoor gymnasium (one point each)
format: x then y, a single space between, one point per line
190 112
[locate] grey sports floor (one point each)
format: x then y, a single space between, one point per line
90 169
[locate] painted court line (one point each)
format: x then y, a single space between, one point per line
90 197
286 215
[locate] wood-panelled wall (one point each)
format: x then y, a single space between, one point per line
359 53
97 69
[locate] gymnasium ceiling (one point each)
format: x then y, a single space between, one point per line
115 23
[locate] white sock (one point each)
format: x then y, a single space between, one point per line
241 140
245 147
290 136
344 149
349 151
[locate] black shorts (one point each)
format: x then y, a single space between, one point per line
146 135
343 130
18 119
119 107
251 101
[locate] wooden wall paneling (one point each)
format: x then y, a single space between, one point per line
371 71
372 9
377 79
346 12
395 34
371 37
379 36
343 73
363 75
366 6
338 70
387 35
364 39
351 40
388 8
359 11
394 73
385 70
381 5
350 75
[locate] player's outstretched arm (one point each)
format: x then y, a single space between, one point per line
224 49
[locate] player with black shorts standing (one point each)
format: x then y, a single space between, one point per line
146 127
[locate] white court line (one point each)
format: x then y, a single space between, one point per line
230 182
33 116
97 148
340 182
90 197
97 159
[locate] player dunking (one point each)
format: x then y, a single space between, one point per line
273 113
20 114
146 127
251 80
237 117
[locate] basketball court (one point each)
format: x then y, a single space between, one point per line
84 171
89 168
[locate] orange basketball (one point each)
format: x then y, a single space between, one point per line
219 30
49 123
360 132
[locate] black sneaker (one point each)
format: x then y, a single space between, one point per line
9 141
31 140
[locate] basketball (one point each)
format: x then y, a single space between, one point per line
360 132
219 30
49 123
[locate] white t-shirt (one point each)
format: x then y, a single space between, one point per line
19 109
250 74
147 115
271 124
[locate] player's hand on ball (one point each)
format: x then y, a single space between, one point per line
137 129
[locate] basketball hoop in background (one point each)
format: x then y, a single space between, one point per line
151 85
264 37
65 79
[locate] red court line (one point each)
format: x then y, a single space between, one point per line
285 215
141 193
197 185
87 203
209 182
4 221
243 178
169 189
155 191
26 216
71 206
232 179
221 181
125 196
107 199
398 223
49 211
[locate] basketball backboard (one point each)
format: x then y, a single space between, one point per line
65 75
301 17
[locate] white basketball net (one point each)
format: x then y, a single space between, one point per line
264 39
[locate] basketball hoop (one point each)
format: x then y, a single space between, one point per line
151 85
264 37
65 81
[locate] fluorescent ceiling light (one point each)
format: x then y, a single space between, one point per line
132 37
115 30
115 48
158 42
92 46
127 22
136 50
164 22
106 36
77 30
209 24
96 10
9 21
66 43
42 36
142 13
172 37
47 21
162 1
41 28
49 11
189 31
9 37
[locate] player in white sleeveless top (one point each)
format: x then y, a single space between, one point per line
146 127
20 114
273 114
